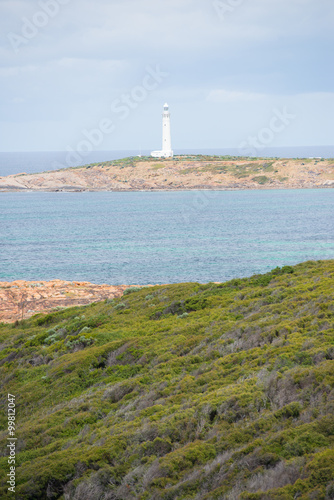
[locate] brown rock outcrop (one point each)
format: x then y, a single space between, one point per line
22 299
146 174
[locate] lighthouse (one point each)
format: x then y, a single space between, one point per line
166 151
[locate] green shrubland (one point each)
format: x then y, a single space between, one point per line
185 391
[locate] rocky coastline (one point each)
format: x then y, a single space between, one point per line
179 173
22 299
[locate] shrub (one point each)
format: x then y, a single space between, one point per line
85 329
326 425
133 289
159 447
261 179
118 391
196 453
330 491
120 306
55 336
110 301
45 320
305 443
195 304
184 315
291 410
81 342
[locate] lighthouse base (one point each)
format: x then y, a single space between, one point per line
162 154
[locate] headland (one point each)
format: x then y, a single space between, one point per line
180 173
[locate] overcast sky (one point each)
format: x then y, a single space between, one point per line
232 71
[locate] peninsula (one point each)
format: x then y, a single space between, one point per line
180 173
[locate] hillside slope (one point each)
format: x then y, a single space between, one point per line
181 172
186 391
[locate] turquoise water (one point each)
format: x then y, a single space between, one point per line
164 237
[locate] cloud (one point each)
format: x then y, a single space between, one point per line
132 28
224 96
90 53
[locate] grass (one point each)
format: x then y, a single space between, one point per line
185 391
240 171
261 179
157 166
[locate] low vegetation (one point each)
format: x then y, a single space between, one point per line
185 391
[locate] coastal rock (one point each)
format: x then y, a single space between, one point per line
22 299
180 173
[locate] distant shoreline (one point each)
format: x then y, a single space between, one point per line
33 162
181 173
159 190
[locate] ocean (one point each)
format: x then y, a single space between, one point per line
161 237
34 162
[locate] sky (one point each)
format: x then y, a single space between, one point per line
79 74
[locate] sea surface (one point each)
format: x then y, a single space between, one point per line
161 237
34 162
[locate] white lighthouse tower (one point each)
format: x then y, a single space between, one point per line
166 151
